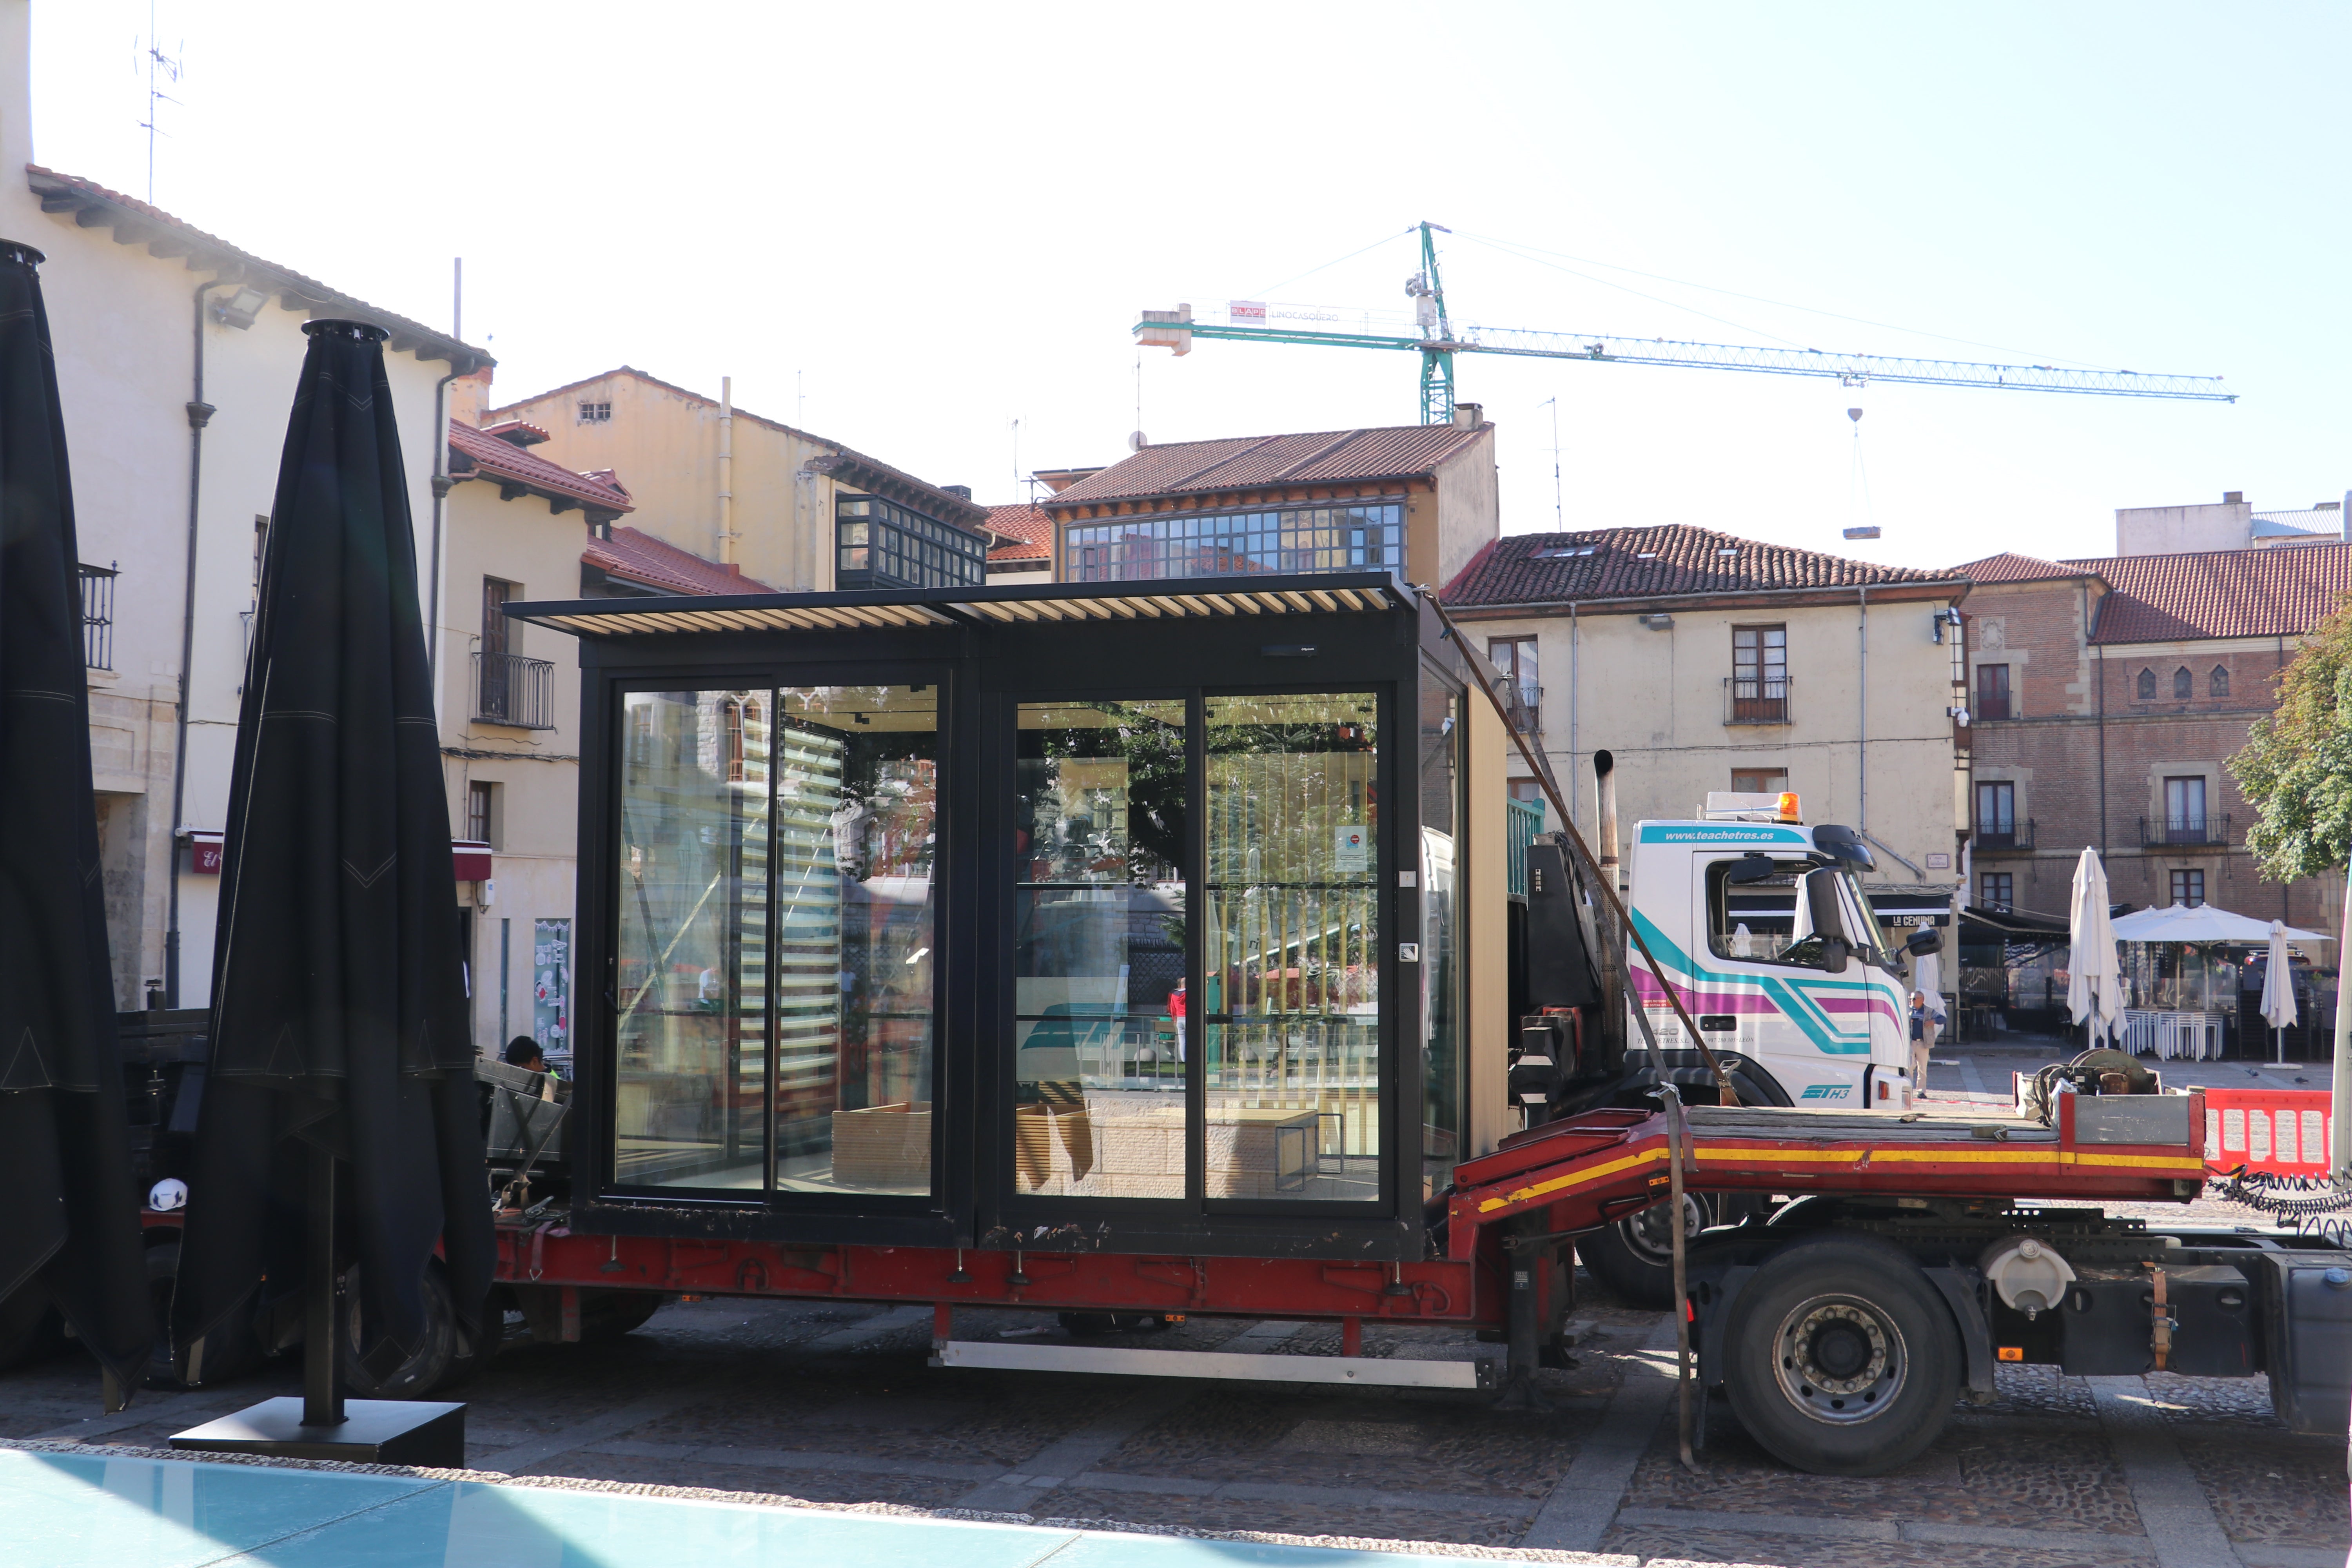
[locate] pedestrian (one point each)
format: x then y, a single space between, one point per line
1918 1046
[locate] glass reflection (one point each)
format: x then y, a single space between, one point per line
1098 826
691 1084
1293 1010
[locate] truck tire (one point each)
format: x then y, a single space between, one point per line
1634 1257
608 1314
1842 1357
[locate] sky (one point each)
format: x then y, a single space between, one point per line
926 231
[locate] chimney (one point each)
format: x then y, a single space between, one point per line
1469 416
960 492
2346 515
2233 498
469 395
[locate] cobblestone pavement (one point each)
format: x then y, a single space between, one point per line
837 1403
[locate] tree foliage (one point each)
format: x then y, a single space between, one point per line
2297 767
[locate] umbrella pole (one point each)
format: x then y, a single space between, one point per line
322 1381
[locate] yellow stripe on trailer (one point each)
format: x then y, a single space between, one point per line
1573 1179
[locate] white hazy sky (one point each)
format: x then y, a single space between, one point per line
938 219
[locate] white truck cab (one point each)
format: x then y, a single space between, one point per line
1761 923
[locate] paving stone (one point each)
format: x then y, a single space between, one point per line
2276 1490
1297 1518
814 1486
1656 1547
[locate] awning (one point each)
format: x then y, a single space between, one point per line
1905 910
473 860
1165 598
2203 922
205 851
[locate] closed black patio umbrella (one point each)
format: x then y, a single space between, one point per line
340 1047
69 1202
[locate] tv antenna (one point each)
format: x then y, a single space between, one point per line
161 68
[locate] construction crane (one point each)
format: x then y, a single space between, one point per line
1437 340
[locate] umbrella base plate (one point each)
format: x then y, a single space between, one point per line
376 1432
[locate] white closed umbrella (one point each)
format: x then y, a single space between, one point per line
1743 943
2278 990
2094 976
1926 978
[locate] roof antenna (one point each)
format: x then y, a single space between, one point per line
168 67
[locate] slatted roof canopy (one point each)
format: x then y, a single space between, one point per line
1154 599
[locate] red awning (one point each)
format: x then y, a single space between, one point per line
473 860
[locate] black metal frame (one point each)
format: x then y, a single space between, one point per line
983 668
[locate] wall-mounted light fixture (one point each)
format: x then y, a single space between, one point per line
239 310
1948 616
1659 623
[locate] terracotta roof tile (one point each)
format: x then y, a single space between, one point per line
1252 462
1664 561
1030 528
2009 567
2220 592
642 558
475 454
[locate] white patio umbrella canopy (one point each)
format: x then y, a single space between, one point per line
2202 924
2094 992
2278 989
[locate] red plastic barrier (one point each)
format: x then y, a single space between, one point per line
2283 1130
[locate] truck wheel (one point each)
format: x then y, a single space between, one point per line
1842 1360
1635 1256
609 1314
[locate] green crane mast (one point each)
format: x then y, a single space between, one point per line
1435 339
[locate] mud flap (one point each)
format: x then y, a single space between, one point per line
1958 1289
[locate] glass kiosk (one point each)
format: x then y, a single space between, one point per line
1066 918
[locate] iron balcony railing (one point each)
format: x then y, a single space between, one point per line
98 617
511 689
2012 835
2159 830
1523 819
1524 701
1756 699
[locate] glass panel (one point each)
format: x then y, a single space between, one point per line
1098 825
1440 1049
691 1076
1293 948
857 804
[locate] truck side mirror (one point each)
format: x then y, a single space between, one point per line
1923 941
1820 890
1751 868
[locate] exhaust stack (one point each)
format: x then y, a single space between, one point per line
1604 784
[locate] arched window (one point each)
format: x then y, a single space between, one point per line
2148 686
2183 683
2219 681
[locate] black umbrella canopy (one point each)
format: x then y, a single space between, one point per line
339 1004
69 1202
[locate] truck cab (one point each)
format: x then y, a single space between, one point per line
1761 925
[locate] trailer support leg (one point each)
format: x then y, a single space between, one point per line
1524 1263
942 1322
1351 1336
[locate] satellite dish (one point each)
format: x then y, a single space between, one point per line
1854 414
1135 441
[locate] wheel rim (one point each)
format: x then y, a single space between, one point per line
1650 1235
1840 1359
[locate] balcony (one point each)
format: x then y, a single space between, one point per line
98 617
1756 699
2156 831
511 689
1524 702
1999 836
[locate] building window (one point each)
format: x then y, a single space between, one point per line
2219 682
1997 815
1758 781
1760 675
98 617
881 544
482 813
1361 538
1522 692
595 414
2183 684
2148 686
2184 811
1995 890
2188 888
1992 692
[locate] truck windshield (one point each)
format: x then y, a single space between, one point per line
1868 933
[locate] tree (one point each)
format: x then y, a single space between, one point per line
2297 767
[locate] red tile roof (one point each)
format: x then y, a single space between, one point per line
1664 561
1028 526
137 222
1255 462
2009 567
477 455
2220 592
642 558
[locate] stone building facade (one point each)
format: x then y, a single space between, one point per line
2106 696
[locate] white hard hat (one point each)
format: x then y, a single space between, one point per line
167 1194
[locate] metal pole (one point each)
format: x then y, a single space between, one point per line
322 1380
1677 1146
2339 1104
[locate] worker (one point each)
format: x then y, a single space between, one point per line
523 1052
